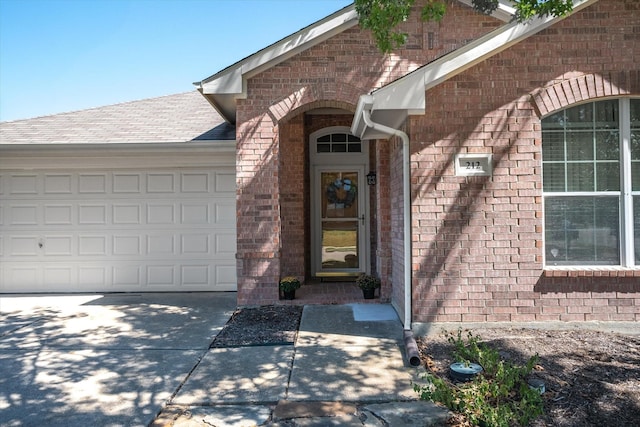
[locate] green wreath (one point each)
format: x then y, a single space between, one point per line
342 191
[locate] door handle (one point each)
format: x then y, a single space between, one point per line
362 219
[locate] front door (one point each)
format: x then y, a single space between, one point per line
339 237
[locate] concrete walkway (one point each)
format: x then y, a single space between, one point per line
137 360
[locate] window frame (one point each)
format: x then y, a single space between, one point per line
625 194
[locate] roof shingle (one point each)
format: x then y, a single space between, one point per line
173 118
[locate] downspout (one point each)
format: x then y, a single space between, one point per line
406 193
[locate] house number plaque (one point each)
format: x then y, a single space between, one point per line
473 165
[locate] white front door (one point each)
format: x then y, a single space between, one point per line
339 242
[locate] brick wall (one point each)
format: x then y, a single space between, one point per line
332 74
477 242
481 259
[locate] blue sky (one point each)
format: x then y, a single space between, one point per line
66 55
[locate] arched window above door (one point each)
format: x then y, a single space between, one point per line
337 145
339 142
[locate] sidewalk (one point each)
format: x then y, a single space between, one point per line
346 368
123 359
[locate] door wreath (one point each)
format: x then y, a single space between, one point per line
342 191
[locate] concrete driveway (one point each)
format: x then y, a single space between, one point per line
108 360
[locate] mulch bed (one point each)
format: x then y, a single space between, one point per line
268 325
591 378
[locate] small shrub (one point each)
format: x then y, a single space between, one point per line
367 281
289 283
497 397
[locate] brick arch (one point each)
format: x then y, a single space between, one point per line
342 96
575 88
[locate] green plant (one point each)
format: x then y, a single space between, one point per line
289 283
367 281
497 397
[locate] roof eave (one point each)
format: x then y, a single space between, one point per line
225 87
392 104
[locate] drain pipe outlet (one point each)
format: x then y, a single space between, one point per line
406 178
411 347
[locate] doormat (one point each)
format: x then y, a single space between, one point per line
373 312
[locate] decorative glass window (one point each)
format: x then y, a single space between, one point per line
591 184
338 143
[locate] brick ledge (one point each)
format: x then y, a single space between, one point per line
599 271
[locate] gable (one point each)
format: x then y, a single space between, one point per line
390 106
224 88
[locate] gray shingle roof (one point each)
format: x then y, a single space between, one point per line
173 118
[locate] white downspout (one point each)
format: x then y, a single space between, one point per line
406 193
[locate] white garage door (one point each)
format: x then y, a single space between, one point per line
104 230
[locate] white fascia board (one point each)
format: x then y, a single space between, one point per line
228 81
120 155
207 145
400 94
232 80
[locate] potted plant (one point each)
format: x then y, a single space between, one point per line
368 284
288 286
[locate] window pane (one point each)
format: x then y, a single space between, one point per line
553 147
324 148
355 148
580 117
580 177
339 148
635 113
635 145
608 176
339 137
554 121
553 177
606 114
582 230
608 145
635 159
635 176
636 227
579 145
326 138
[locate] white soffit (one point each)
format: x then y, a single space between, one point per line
406 96
223 88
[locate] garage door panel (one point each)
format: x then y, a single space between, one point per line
92 214
20 184
93 183
23 214
58 184
59 246
195 213
225 212
161 182
225 182
126 183
226 277
57 214
195 182
100 230
225 243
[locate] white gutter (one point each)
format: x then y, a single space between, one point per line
406 194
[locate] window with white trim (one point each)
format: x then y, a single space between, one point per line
338 143
591 184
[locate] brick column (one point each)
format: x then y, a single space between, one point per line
258 211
